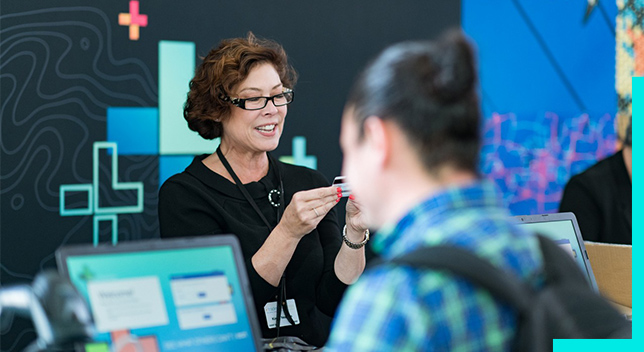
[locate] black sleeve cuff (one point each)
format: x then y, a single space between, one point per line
262 290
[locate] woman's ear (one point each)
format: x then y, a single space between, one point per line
377 139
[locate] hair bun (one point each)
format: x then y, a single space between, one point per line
455 74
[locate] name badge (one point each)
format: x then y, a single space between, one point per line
270 310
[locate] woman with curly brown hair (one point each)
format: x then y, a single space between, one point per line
283 214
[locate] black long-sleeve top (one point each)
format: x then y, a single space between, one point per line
199 201
601 199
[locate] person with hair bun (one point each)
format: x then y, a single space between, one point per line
411 137
284 216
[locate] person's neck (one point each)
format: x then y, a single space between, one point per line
627 152
409 189
248 166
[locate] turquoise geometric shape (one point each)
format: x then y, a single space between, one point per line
89 210
93 207
176 69
107 217
117 186
299 155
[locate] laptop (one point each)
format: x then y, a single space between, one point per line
188 294
564 230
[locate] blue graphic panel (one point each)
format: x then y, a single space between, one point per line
135 130
540 56
172 164
547 81
531 158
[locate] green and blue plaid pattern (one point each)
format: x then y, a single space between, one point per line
399 308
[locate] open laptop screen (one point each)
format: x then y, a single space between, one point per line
564 230
165 295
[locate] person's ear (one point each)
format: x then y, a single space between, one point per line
377 138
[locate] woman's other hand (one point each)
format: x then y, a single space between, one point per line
307 209
355 219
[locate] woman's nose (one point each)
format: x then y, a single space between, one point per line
270 107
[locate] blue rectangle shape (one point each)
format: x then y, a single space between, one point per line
134 129
172 164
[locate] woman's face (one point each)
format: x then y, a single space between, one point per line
359 166
256 130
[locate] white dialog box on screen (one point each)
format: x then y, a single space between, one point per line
127 303
211 315
203 300
200 289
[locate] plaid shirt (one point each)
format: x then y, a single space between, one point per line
399 308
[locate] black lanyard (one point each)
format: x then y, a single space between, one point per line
280 210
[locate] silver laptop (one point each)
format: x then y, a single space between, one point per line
188 294
564 230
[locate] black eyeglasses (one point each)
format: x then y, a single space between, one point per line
257 103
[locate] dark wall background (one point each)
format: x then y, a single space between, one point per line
63 63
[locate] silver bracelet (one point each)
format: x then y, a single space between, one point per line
355 245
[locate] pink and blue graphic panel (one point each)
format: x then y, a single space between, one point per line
547 78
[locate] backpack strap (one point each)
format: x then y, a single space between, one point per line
565 307
478 271
558 264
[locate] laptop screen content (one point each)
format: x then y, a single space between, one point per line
166 299
563 230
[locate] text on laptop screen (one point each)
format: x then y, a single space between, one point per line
563 233
164 300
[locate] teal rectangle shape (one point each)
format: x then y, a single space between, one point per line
176 69
638 206
88 210
637 343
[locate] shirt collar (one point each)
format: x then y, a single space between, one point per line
257 189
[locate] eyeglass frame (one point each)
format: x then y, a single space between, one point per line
241 102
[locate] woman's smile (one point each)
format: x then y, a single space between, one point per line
267 130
